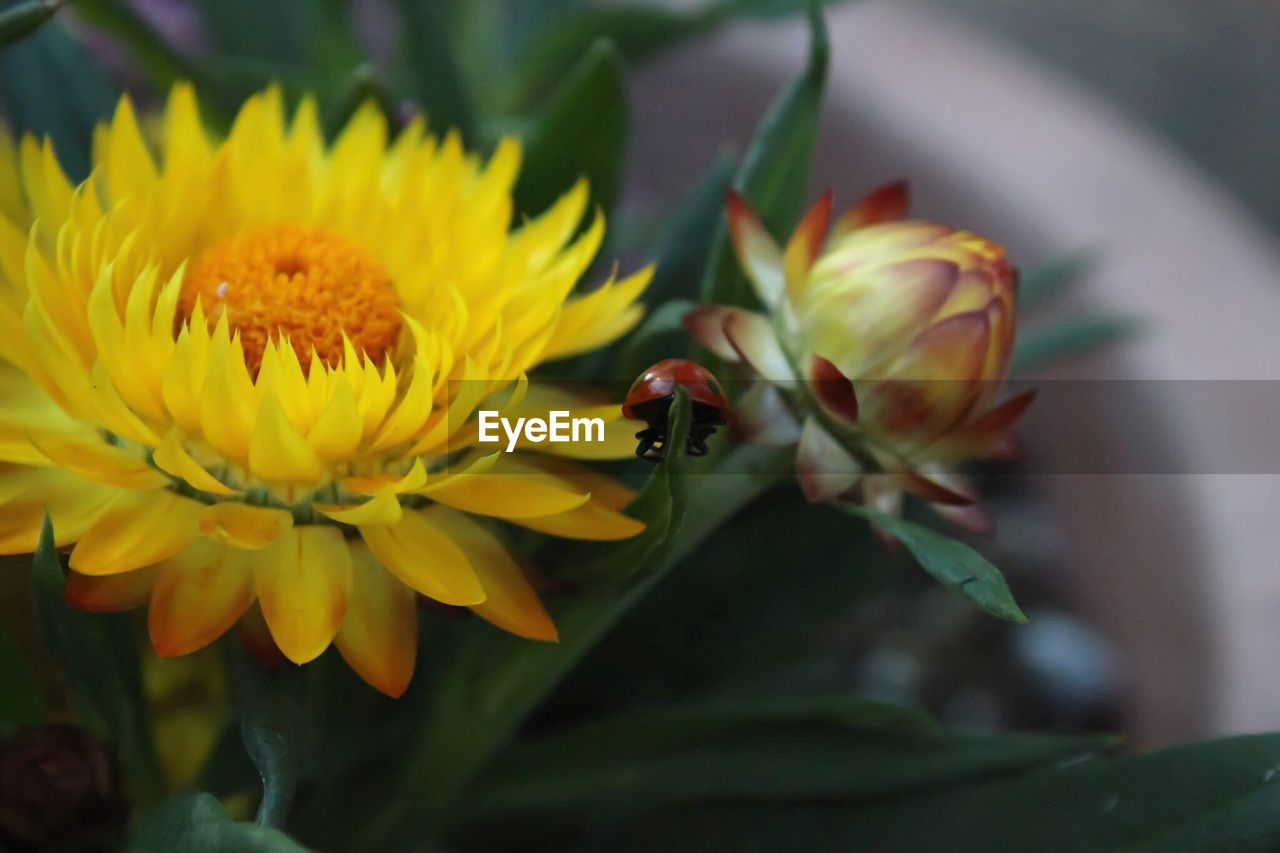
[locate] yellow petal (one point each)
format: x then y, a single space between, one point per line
110 593
506 495
244 526
379 634
199 595
511 603
593 521
278 452
172 458
382 509
140 529
96 460
422 555
304 583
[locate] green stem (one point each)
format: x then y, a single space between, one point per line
463 732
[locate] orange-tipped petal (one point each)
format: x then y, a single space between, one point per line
379 634
824 468
805 245
511 603
199 595
889 203
424 556
752 337
757 251
256 638
833 390
1005 415
706 325
109 593
304 582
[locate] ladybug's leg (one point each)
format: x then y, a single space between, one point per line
651 446
697 442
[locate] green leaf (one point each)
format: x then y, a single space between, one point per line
50 87
814 748
1039 348
775 172
98 654
20 701
194 822
1213 796
430 68
1039 285
639 32
493 680
273 725
160 60
953 563
582 133
686 246
22 19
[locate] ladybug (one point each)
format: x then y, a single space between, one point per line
649 400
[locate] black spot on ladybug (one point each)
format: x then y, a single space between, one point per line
650 398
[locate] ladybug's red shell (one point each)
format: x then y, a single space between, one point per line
660 382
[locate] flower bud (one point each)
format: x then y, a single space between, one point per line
895 334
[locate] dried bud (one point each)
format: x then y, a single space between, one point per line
60 787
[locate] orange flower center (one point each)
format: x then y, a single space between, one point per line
304 285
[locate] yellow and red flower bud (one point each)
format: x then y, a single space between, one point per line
899 330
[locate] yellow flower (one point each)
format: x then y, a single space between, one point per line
244 370
890 337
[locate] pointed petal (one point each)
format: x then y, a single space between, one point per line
172 458
889 203
381 509
833 390
379 634
278 452
757 251
511 603
592 522
140 529
752 337
423 556
506 494
199 595
304 582
931 490
824 468
805 245
706 325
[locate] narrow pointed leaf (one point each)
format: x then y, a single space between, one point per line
775 173
22 19
431 69
953 563
97 652
582 132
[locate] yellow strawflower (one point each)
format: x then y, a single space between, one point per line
241 373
